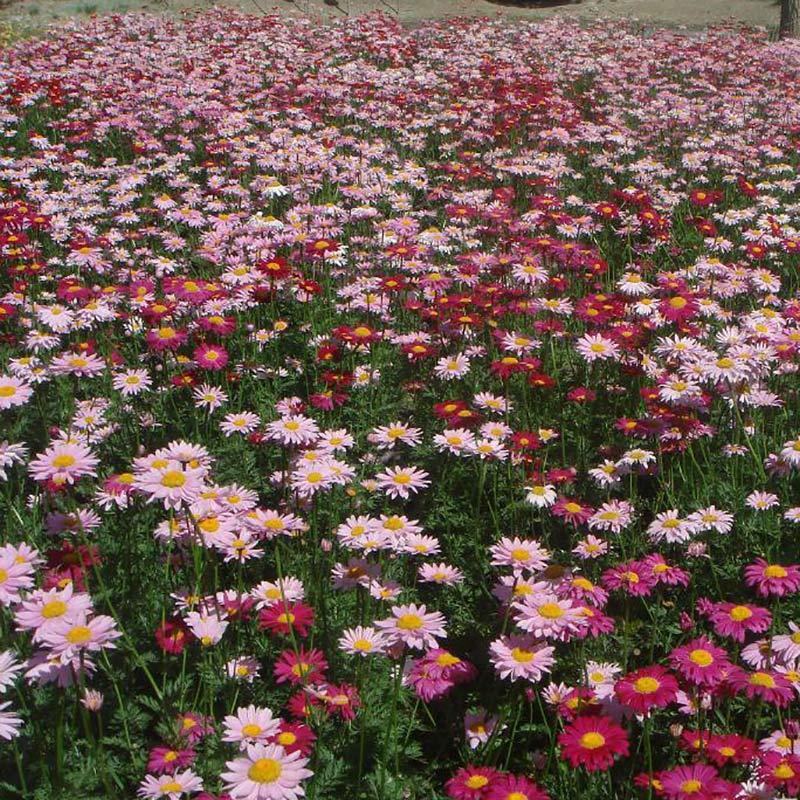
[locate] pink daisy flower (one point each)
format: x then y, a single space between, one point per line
13 392
172 484
71 636
63 462
414 626
521 657
249 725
266 772
170 786
210 357
402 482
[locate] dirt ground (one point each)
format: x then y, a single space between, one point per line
690 13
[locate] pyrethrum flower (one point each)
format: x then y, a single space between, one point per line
593 742
402 481
414 626
64 462
249 725
266 772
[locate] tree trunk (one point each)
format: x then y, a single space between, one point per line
790 19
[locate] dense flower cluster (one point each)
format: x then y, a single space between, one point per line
401 413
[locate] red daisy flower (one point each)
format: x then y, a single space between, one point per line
651 687
593 742
294 737
781 772
284 617
471 783
305 666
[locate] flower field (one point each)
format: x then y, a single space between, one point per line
396 414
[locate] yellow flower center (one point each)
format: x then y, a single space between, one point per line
551 611
691 786
522 656
476 781
646 685
170 786
762 679
251 729
520 554
740 613
362 645
8 391
409 622
783 772
79 635
55 608
173 479
265 770
63 461
592 740
286 738
775 571
701 657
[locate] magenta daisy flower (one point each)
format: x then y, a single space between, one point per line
772 579
696 782
736 620
167 759
701 662
767 685
515 787
210 357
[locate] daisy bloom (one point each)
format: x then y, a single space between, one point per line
772 579
515 787
249 725
470 783
402 481
170 786
266 772
63 462
10 722
701 662
414 626
651 687
593 742
516 657
13 392
362 641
